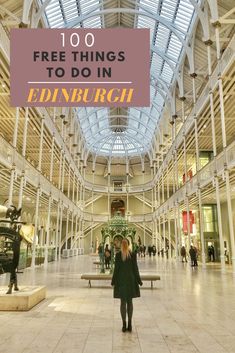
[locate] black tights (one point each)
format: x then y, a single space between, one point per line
126 308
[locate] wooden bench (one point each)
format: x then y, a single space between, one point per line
97 263
152 277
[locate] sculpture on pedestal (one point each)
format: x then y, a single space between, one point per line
10 240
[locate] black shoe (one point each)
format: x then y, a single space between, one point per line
10 289
129 328
124 326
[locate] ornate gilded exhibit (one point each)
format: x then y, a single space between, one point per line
113 233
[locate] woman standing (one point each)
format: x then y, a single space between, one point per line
126 280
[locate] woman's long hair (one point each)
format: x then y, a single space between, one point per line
125 251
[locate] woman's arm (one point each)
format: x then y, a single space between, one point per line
116 268
136 269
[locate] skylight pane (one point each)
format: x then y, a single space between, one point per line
88 4
92 23
150 5
146 22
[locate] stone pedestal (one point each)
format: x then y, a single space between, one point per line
22 300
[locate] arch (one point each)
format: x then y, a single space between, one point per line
213 9
39 13
203 18
26 9
167 102
162 84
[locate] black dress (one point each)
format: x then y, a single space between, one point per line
126 278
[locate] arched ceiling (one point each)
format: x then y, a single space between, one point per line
129 132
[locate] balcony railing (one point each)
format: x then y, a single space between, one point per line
9 156
204 177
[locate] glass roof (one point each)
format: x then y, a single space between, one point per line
169 22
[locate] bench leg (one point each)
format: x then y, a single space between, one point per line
89 282
151 284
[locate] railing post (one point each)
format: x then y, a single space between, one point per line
230 217
48 226
35 226
201 220
60 233
69 178
188 221
41 145
22 178
164 235
143 207
127 195
11 185
221 240
169 233
26 120
92 206
109 191
71 230
15 135
176 232
73 190
57 230
52 158
67 229
160 234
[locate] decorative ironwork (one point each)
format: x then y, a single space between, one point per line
115 230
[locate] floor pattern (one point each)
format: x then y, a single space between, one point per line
190 310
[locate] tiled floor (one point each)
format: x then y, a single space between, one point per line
189 310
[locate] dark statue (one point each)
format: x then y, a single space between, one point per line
10 239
